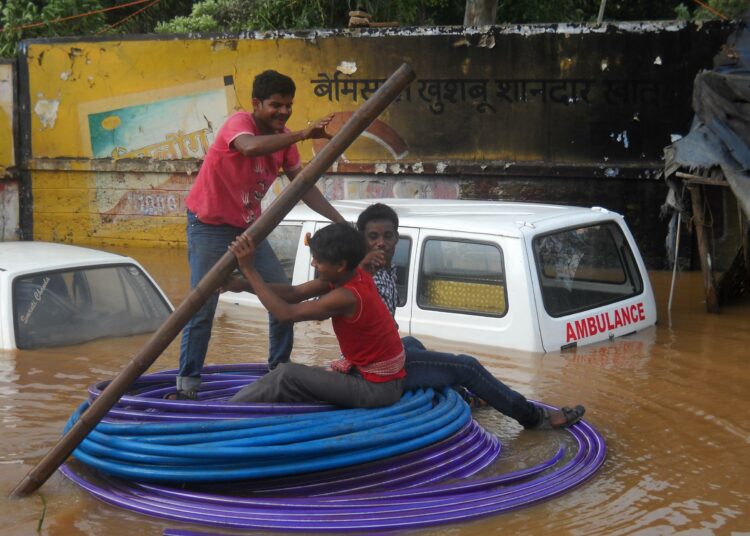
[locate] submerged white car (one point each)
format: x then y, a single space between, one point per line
57 294
523 276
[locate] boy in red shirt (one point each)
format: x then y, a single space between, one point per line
371 370
241 165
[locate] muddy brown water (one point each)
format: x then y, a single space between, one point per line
672 404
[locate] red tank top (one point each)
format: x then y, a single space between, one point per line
371 335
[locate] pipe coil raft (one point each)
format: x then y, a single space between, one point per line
309 467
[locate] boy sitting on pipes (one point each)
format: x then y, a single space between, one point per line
428 369
371 371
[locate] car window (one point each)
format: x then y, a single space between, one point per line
75 306
585 267
284 240
401 260
462 277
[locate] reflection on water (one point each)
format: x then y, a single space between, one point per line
672 404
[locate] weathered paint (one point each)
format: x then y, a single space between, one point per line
111 202
9 193
339 187
9 221
544 101
7 133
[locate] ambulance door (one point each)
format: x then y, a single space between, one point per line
590 284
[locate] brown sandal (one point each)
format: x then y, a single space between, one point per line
557 419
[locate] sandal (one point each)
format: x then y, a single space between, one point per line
182 395
557 419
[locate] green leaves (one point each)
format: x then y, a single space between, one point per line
15 13
22 19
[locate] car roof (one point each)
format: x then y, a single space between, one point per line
33 256
497 217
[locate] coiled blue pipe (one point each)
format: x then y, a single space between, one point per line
405 491
161 452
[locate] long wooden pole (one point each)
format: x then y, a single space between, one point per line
270 218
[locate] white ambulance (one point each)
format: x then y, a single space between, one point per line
531 277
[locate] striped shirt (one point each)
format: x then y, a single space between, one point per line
385 281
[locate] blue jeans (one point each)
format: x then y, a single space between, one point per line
206 245
436 369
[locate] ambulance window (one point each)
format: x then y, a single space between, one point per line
584 268
284 241
462 277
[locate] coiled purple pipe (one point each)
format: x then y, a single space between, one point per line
408 491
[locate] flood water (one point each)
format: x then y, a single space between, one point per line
672 404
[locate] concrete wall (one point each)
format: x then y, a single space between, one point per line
117 128
9 203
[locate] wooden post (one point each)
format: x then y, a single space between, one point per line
600 16
745 230
480 12
704 249
270 218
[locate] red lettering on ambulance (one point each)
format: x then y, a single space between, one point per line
601 323
570 335
602 326
618 319
592 325
582 329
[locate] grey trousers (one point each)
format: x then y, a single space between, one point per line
292 382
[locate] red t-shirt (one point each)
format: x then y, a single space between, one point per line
230 185
371 335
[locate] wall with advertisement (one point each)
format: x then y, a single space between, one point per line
117 128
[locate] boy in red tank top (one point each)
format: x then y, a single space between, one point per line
371 370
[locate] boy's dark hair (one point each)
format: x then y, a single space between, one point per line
339 241
270 83
375 212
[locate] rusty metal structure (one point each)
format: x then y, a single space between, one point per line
708 172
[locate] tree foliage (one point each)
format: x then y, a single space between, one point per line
525 11
729 8
18 13
16 16
248 15
235 16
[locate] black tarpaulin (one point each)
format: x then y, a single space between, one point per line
720 133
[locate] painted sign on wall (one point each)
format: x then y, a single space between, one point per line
171 128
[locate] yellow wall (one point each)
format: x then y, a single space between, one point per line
118 128
182 90
68 83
